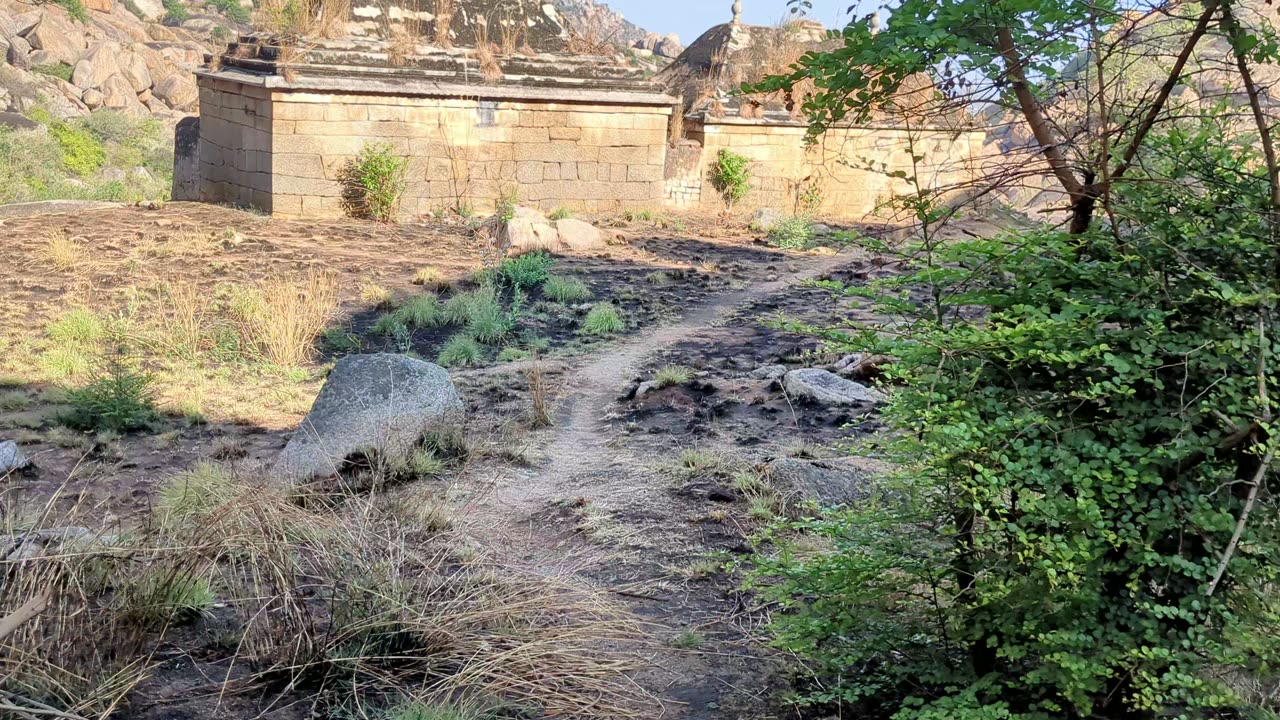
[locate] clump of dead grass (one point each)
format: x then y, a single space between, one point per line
342 596
59 251
282 318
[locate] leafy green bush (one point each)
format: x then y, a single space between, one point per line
603 319
175 12
74 8
1069 535
82 154
791 233
119 400
376 182
565 289
560 213
460 351
526 271
731 176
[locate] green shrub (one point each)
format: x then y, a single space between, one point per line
82 154
119 400
671 375
421 311
432 711
527 271
175 12
559 213
488 321
232 9
460 351
603 319
512 354
74 8
62 71
731 176
389 325
376 182
791 233
565 289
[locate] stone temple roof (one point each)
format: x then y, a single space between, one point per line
292 62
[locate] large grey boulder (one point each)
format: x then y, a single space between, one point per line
826 388
841 481
11 458
528 230
380 404
19 53
100 63
61 37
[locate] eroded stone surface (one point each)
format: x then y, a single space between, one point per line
382 404
826 388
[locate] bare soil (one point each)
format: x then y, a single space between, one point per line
596 496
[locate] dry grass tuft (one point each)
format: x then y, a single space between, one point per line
444 22
486 55
539 404
282 318
343 597
61 252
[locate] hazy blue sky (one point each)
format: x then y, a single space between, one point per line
690 18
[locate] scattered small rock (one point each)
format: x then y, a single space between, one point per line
11 457
380 403
826 388
645 388
769 372
821 229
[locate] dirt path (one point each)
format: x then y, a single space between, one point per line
586 462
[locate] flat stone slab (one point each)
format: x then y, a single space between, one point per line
826 388
381 404
11 457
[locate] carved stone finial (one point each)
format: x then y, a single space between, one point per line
875 22
737 11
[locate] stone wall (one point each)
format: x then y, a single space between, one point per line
839 167
683 176
284 151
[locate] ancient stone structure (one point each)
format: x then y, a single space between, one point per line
280 126
553 130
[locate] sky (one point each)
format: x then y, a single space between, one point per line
690 18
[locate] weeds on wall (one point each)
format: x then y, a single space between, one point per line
731 176
375 183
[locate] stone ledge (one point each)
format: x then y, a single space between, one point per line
425 88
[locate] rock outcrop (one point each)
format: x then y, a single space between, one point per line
826 388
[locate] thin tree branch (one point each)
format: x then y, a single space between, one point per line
1030 107
1236 36
1149 121
1240 524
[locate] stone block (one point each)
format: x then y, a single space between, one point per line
644 173
522 135
298 165
387 113
569 171
528 172
551 171
306 186
564 132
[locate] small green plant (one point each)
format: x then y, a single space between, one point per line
74 8
559 213
687 640
424 463
62 71
388 325
340 341
421 311
164 593
78 325
792 233
120 399
481 312
603 319
175 12
376 182
658 277
219 35
512 354
527 271
731 176
672 375
565 289
460 351
232 9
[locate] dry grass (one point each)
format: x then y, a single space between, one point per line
282 318
343 597
539 404
304 18
184 326
486 55
587 37
444 22
61 252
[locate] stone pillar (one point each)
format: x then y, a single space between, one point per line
186 159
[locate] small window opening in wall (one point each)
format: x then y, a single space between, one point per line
486 114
